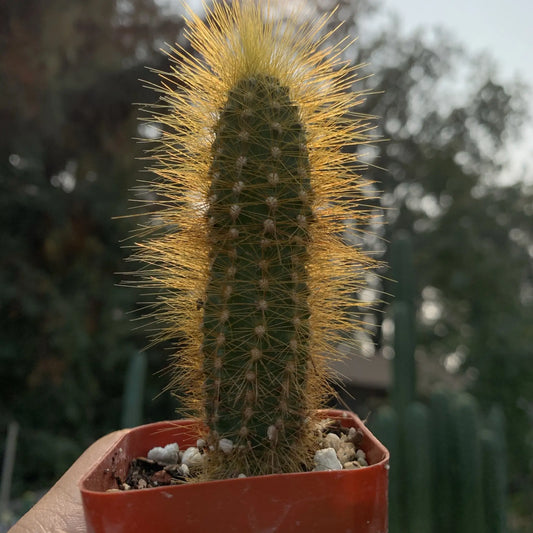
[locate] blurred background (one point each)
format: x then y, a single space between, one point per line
457 194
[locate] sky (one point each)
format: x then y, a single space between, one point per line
501 28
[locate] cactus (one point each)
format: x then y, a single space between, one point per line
468 473
254 184
133 396
404 388
453 474
386 428
494 482
417 469
494 444
443 459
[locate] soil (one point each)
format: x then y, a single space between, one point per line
145 473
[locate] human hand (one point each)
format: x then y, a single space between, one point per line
60 510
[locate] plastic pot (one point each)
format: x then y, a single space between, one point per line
341 501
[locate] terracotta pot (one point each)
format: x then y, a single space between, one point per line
341 501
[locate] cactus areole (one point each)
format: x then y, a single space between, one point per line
255 181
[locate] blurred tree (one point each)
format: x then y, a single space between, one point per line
69 74
448 123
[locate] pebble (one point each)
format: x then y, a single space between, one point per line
355 436
160 477
360 454
346 452
332 441
362 461
326 459
192 457
169 455
352 465
226 445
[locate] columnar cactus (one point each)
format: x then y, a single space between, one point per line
255 184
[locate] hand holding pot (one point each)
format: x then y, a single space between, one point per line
60 509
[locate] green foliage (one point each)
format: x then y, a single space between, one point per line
68 74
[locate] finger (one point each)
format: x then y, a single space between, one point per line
60 509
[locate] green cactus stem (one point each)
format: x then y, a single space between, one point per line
256 311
